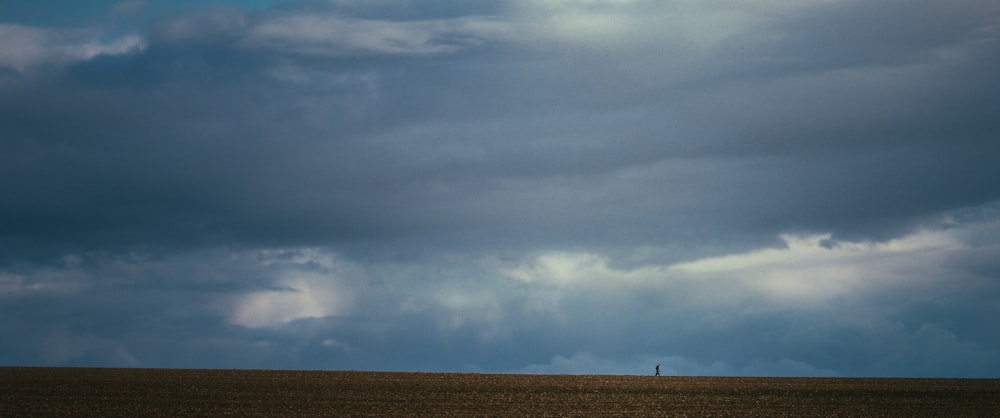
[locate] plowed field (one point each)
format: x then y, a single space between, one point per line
78 392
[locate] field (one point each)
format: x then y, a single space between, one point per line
173 392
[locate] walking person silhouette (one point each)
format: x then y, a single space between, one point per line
657 369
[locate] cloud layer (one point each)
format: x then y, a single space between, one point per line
768 189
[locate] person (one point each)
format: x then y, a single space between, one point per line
657 369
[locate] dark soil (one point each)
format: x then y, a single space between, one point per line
172 392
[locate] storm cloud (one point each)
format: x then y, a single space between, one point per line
546 186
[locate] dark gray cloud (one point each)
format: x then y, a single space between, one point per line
504 186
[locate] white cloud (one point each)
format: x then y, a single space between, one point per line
24 48
562 269
672 30
46 281
307 286
297 300
663 27
808 270
333 35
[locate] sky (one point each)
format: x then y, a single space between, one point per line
768 188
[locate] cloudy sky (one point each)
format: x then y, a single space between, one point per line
771 188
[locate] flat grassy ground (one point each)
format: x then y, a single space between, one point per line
29 392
